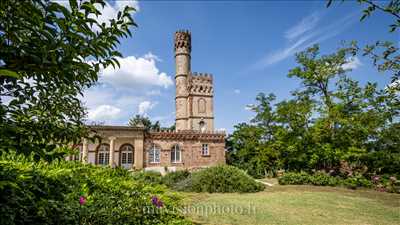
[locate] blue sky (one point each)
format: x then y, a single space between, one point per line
248 46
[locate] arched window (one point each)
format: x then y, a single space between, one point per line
127 156
202 105
175 154
154 154
202 126
103 154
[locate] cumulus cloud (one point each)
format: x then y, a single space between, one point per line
236 91
130 88
104 112
136 72
145 106
352 63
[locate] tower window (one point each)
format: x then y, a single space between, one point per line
202 126
202 105
204 149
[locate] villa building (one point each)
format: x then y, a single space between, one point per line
194 144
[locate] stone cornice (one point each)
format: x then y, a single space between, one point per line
116 128
187 135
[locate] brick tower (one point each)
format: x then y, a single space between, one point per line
194 91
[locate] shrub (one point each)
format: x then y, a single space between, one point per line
148 177
294 178
357 181
221 179
171 178
73 193
323 179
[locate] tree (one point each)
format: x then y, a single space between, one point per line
55 52
139 120
330 120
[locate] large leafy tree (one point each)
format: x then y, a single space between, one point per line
49 54
330 120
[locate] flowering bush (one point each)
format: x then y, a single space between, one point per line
73 193
386 183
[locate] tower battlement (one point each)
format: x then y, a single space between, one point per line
200 84
201 76
183 41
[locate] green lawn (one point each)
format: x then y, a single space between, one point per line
296 205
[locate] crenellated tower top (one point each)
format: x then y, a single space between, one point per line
183 41
200 84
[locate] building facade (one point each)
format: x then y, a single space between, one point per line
194 144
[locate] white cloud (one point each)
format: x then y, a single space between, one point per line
129 88
110 11
302 36
104 112
306 24
236 91
249 107
153 93
136 73
352 63
146 106
150 55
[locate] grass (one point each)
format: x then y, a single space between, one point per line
296 205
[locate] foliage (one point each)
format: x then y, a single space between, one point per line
140 120
55 52
330 120
149 177
294 178
172 178
357 181
220 179
353 182
72 193
391 8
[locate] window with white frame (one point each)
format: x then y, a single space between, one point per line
127 154
175 154
204 149
154 154
103 155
